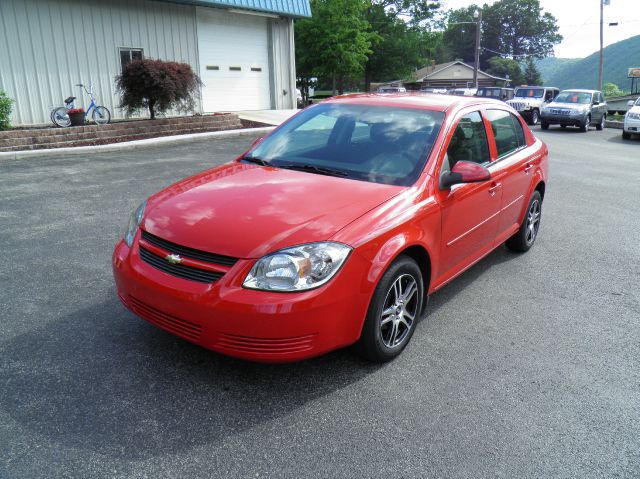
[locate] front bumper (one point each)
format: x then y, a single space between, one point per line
567 120
631 126
249 324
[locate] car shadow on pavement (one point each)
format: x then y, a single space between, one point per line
102 380
448 292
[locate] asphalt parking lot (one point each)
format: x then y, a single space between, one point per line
525 366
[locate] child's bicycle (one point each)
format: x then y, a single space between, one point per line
99 114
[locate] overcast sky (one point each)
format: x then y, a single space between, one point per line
579 22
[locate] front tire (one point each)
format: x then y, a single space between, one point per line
101 115
584 126
625 135
544 125
523 240
393 313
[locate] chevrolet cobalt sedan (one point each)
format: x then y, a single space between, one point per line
332 230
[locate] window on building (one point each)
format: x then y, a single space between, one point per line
127 55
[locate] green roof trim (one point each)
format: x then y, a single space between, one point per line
286 8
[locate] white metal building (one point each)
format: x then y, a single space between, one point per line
243 50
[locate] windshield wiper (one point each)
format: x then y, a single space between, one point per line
320 170
255 160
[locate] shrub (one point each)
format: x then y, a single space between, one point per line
6 104
158 86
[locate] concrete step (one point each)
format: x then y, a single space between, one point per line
120 125
54 137
118 139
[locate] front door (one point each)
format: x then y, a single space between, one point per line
469 212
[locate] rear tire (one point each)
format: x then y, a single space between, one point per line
60 117
393 313
600 126
523 240
535 116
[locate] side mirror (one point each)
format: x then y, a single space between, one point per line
630 103
596 103
464 172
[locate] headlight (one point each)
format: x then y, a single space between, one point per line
633 116
299 268
134 221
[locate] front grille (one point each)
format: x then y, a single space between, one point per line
517 105
246 344
188 252
177 326
180 270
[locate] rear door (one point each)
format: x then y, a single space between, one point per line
511 168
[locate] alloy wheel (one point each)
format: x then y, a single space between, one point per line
399 311
533 221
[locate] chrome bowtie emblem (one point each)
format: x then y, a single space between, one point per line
173 258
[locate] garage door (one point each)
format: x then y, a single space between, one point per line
234 61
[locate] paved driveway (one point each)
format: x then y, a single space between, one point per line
526 366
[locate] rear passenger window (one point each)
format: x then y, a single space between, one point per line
507 131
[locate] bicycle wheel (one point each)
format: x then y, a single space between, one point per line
60 117
100 115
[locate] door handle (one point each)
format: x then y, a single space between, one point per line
494 187
527 168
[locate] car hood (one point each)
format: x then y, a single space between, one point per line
567 106
634 109
246 211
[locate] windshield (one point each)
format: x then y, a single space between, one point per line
379 144
529 92
573 97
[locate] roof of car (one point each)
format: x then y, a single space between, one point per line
580 90
427 101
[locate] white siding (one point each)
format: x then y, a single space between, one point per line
283 73
50 45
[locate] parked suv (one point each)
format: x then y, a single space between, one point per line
529 100
504 94
580 108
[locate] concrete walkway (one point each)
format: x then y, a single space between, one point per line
269 117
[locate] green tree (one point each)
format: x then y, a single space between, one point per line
506 67
459 37
519 28
6 104
401 47
611 89
335 42
513 28
531 73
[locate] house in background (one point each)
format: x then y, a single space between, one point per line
243 50
455 74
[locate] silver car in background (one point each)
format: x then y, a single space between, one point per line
581 108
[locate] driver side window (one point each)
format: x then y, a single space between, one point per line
468 142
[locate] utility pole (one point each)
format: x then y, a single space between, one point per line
478 15
601 45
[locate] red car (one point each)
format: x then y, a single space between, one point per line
333 229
